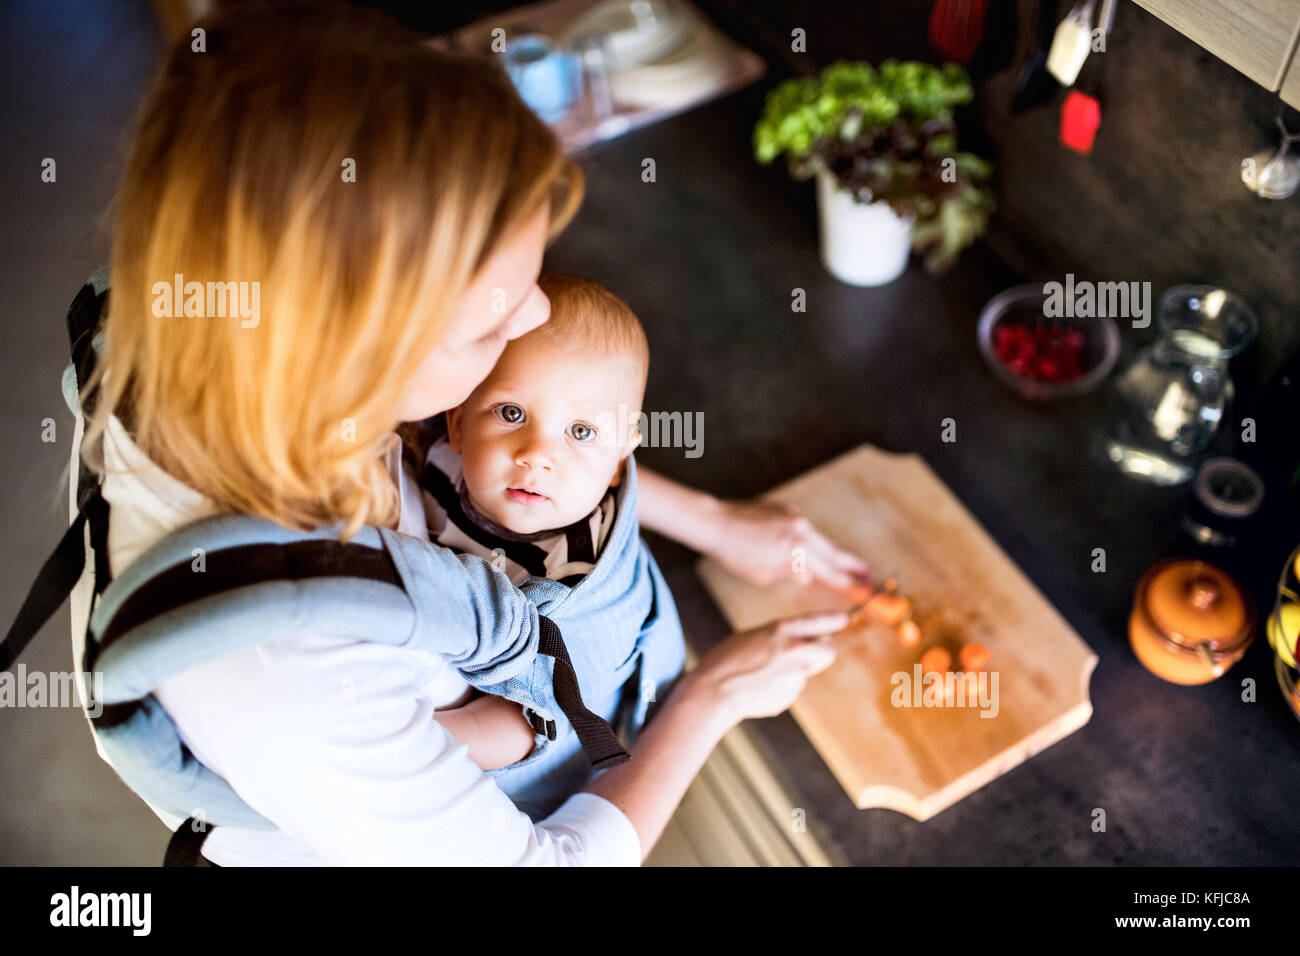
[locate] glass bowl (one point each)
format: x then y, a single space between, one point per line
1095 348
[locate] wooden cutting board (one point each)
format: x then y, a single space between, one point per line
862 713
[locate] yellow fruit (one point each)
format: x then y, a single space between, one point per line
1283 631
1296 569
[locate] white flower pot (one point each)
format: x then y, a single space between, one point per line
862 243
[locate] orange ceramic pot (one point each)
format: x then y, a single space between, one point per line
1191 621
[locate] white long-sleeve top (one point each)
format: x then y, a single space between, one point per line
334 740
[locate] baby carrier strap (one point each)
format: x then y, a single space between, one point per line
259 583
255 580
232 581
64 567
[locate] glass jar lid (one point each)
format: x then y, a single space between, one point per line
1229 488
1206 321
1193 603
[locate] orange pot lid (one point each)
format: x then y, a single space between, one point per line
1196 603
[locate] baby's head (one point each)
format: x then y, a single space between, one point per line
549 430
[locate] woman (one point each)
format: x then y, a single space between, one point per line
391 206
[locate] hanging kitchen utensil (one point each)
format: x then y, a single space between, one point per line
1276 176
1106 20
1080 118
955 28
1034 85
1072 42
1081 111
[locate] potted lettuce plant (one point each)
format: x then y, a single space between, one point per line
883 146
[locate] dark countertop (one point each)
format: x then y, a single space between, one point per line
708 255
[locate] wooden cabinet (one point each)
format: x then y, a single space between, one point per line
1291 85
1257 37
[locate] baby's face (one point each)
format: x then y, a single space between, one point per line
540 439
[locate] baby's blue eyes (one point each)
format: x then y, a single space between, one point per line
512 414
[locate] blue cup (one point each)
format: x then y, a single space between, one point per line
548 79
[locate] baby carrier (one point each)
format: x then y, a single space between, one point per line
621 629
258 581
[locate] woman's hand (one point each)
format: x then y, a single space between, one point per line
760 673
764 542
759 541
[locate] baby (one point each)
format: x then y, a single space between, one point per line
532 473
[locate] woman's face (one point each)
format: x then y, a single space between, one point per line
501 304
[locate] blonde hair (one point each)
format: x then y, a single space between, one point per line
586 315
238 173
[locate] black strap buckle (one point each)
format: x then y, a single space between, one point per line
540 725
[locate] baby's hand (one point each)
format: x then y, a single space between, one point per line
493 728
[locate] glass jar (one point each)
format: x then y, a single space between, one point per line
1284 628
1172 399
1190 621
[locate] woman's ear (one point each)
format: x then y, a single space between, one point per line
453 427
